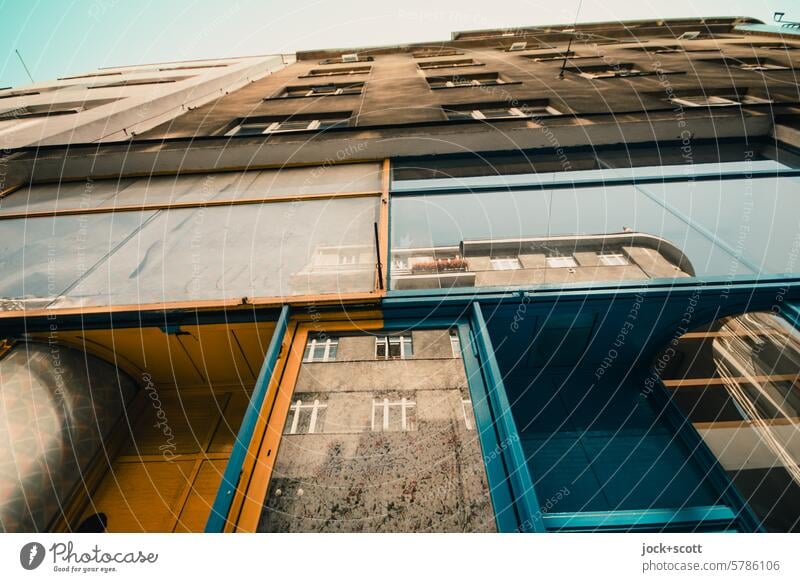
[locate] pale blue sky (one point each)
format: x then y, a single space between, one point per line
64 37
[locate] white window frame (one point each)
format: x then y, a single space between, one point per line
612 73
524 111
705 101
383 407
505 264
350 58
314 93
763 67
469 418
518 46
387 341
455 343
561 262
275 126
613 260
326 356
296 408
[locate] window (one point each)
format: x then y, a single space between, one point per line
499 112
608 71
465 81
449 64
321 90
296 123
718 100
134 82
394 416
518 46
306 418
505 264
393 347
551 56
29 111
443 52
319 349
749 64
455 343
341 71
763 66
690 35
561 262
348 58
613 259
469 418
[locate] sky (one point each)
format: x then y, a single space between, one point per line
58 38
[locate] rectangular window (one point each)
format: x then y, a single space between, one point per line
561 262
718 100
305 418
455 343
134 82
490 112
395 347
291 124
30 111
613 259
551 56
608 71
505 264
763 66
449 64
518 46
469 418
340 71
321 349
347 58
443 52
477 80
325 90
394 416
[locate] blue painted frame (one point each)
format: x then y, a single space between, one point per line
230 478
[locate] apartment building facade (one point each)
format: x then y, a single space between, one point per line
532 280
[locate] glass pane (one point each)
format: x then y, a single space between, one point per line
260 250
42 257
314 180
332 179
756 217
464 231
350 477
58 407
68 195
737 381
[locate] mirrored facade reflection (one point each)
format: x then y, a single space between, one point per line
380 437
515 304
737 381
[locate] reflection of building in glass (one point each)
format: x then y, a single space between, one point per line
380 442
427 287
737 381
533 261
